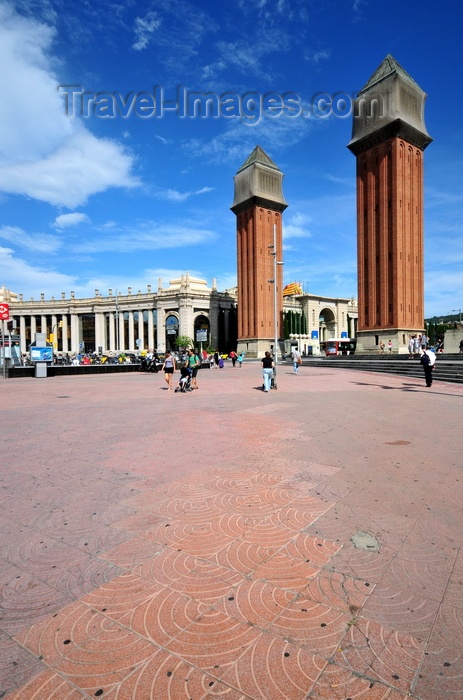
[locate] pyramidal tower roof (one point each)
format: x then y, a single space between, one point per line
259 156
387 68
259 182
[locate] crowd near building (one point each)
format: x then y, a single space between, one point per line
136 321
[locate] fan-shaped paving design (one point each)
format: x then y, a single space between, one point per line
214 642
338 591
47 686
195 512
17 665
120 596
285 572
255 602
166 566
79 580
167 677
448 629
311 625
41 555
231 524
372 650
207 582
401 607
25 599
163 617
269 532
132 552
441 674
169 532
312 549
296 519
336 683
204 543
244 556
104 658
139 523
274 669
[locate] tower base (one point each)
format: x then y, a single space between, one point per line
368 342
256 347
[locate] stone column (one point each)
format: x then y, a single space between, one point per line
75 336
131 332
121 331
151 342
43 324
141 330
64 333
161 339
33 328
22 333
112 334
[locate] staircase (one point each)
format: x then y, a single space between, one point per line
449 368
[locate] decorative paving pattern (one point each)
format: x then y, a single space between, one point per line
138 566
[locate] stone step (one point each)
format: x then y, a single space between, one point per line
448 368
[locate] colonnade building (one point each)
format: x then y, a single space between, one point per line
131 322
128 322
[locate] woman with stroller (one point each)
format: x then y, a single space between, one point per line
193 363
267 370
168 368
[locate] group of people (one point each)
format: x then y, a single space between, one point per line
190 362
189 366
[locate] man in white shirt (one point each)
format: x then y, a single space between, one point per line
428 360
296 360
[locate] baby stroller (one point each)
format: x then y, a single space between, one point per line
184 383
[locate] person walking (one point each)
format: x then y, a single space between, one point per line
232 355
267 370
168 368
428 360
297 359
193 364
240 360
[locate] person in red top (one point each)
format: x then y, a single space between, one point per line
232 355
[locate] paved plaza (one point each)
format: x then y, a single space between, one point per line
228 543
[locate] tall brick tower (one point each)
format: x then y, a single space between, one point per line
258 205
388 139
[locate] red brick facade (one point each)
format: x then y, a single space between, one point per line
255 235
390 236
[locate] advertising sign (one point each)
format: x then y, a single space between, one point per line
4 312
41 354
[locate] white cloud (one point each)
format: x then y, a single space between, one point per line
21 277
147 236
144 29
66 220
45 154
297 226
38 242
176 196
239 138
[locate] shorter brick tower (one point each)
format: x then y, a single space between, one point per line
258 205
388 139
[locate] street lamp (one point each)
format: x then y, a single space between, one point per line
275 301
454 311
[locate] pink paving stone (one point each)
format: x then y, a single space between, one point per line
253 486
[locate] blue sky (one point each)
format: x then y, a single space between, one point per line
97 202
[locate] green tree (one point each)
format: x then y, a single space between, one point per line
183 341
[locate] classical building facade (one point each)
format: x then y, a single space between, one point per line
388 139
128 322
116 322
